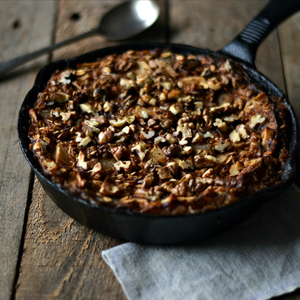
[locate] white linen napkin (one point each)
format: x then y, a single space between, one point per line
258 259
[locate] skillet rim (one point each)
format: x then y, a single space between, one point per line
262 195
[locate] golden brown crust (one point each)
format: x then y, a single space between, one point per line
158 132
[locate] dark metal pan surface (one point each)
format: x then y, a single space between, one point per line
153 229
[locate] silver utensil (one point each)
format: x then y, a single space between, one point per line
122 22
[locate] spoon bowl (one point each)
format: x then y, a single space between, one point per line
121 22
128 19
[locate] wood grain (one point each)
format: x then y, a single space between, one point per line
62 259
213 24
289 36
89 14
20 33
290 45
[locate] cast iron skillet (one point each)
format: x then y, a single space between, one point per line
154 229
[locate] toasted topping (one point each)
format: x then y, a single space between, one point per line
106 136
122 165
234 136
220 124
258 119
85 141
159 132
81 161
141 150
86 107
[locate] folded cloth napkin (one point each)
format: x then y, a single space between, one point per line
258 259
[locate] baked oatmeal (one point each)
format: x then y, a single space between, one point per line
158 132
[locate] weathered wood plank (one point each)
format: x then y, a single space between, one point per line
213 24
79 17
20 33
62 259
190 25
289 33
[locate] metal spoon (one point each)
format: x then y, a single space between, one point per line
122 22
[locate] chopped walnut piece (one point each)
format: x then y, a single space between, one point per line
159 139
108 107
220 124
198 105
211 158
141 112
174 94
86 107
196 80
241 129
182 164
118 123
147 136
171 139
267 136
127 83
165 124
64 77
61 155
126 129
33 115
48 164
231 118
253 162
166 85
67 115
157 155
148 180
106 136
176 109
258 119
97 171
85 141
141 150
101 120
109 189
185 130
235 169
81 161
117 152
221 146
167 172
180 189
197 138
93 125
234 136
188 150
172 150
129 119
60 97
123 165
220 108
142 68
208 135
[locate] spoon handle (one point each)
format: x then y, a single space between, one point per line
13 63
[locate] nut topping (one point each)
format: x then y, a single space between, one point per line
159 132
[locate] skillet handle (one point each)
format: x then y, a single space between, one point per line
245 45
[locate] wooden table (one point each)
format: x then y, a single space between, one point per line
44 254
